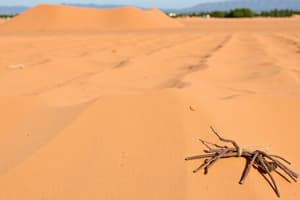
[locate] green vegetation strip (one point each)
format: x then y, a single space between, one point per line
6 16
239 13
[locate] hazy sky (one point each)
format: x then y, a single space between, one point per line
143 3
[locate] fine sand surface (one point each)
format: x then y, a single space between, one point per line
112 114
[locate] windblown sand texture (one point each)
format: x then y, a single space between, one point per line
111 114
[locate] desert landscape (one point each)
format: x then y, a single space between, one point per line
106 104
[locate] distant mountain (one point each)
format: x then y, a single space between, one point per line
11 10
256 5
91 5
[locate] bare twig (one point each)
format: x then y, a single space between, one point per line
259 160
247 169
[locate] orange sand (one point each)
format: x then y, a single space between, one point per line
106 114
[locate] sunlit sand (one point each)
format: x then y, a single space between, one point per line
106 104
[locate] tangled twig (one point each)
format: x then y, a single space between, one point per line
260 160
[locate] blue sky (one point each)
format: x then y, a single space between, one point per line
142 3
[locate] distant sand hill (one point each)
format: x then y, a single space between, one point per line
57 17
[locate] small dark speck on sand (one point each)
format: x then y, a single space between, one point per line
192 108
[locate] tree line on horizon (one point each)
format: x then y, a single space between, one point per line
240 13
6 16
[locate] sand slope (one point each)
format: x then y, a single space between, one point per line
57 17
90 154
33 115
111 115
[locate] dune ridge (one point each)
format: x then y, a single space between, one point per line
59 18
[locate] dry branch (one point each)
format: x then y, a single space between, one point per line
263 162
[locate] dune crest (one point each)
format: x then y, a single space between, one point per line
61 18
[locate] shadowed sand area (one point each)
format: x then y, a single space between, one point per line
100 113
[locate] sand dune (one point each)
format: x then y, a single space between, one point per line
59 18
112 114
